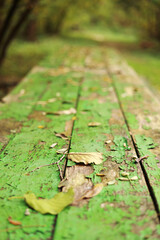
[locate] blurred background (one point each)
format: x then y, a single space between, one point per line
28 29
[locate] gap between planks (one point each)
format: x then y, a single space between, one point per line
69 146
150 189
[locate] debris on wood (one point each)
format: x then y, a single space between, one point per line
86 158
53 145
14 222
40 126
94 124
137 160
27 212
62 150
128 179
63 112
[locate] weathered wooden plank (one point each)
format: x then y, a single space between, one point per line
16 107
30 149
142 112
122 210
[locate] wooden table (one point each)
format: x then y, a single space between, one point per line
102 89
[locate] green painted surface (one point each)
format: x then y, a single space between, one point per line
142 115
116 213
28 150
120 211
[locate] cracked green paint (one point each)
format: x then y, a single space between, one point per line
104 217
116 211
28 150
146 106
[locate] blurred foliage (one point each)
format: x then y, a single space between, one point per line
50 17
145 16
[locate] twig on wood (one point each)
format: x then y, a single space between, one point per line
141 158
46 165
60 171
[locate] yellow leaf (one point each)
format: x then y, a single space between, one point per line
40 126
52 206
86 158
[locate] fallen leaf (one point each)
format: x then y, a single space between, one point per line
125 174
128 179
73 181
62 150
40 126
111 182
53 145
94 124
86 158
94 191
109 174
134 178
108 141
52 206
82 186
14 222
61 135
63 112
76 169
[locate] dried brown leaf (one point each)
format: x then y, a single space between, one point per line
94 124
85 170
109 175
53 145
63 112
61 135
62 150
86 158
14 222
128 179
82 186
94 191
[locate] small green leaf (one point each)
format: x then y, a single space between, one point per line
54 205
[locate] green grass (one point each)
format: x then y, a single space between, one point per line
147 64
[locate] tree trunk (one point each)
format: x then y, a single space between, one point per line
21 20
30 32
8 19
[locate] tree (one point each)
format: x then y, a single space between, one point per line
19 12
